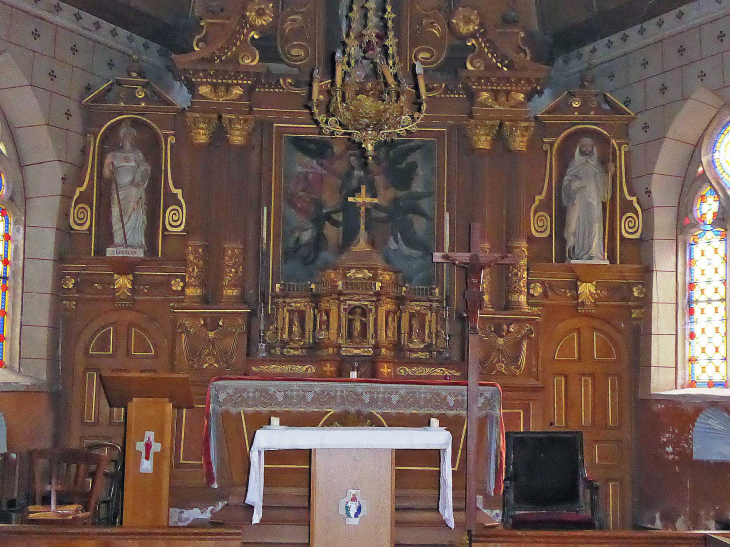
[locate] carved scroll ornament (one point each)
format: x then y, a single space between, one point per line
213 345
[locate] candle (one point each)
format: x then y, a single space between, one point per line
338 69
274 421
433 422
353 374
315 85
421 83
387 73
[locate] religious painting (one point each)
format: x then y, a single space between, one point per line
586 175
129 178
318 217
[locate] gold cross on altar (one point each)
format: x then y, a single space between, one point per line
363 201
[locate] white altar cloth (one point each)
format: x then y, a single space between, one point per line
305 438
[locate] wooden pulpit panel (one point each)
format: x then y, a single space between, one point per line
334 472
147 490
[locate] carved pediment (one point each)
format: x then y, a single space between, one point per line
586 104
133 92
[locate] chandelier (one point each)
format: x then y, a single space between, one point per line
369 100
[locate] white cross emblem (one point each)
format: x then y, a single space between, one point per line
148 447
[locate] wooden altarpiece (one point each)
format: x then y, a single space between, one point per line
183 307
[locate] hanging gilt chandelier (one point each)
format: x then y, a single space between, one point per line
370 98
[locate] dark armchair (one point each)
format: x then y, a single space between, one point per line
545 483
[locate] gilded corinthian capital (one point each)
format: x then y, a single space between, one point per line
238 127
481 133
201 126
518 134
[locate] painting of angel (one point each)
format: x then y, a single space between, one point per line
319 223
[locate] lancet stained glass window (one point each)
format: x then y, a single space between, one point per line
706 303
721 154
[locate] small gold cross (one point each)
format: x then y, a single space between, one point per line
363 201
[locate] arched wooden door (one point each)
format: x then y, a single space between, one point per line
590 390
118 341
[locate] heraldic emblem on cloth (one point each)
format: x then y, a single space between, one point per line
352 507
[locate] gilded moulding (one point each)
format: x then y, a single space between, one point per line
176 214
481 133
238 127
518 134
201 126
631 222
540 221
81 212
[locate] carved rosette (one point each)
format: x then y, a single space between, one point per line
201 126
232 284
481 133
238 127
196 270
517 134
517 276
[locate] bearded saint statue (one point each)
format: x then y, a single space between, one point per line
129 174
586 185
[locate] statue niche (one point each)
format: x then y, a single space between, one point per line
128 182
357 325
586 186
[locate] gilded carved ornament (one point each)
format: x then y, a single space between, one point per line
517 134
68 282
210 346
201 126
196 270
220 92
517 276
123 286
176 284
506 347
232 285
481 133
501 99
259 13
238 127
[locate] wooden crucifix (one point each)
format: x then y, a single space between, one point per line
363 201
475 263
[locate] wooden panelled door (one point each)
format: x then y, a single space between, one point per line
118 341
590 390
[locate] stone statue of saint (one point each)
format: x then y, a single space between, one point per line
129 174
357 325
586 185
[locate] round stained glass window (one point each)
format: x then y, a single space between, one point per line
721 154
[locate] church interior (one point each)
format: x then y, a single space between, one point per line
364 272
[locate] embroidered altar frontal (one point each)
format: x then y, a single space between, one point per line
238 407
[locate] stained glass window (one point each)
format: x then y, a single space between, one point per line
706 303
721 154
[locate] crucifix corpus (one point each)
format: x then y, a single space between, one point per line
363 201
475 263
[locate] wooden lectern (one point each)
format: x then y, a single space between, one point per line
149 399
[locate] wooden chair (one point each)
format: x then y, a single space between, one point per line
545 483
111 496
73 497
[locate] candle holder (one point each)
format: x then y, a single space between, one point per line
369 98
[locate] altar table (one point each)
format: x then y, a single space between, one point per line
404 403
288 438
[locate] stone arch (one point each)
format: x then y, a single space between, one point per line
38 197
671 163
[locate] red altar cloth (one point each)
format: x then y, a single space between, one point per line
207 455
